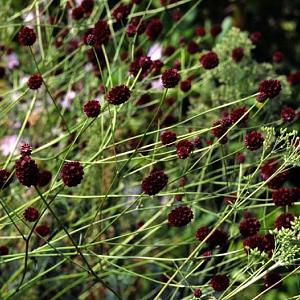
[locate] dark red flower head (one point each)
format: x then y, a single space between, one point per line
215 30
44 178
101 32
87 6
240 116
27 36
285 196
155 182
218 130
78 13
154 28
254 140
184 148
5 178
253 242
4 250
156 66
255 37
278 57
200 31
192 47
35 81
268 169
197 293
219 282
237 54
185 85
31 214
168 138
121 12
288 114
92 108
209 60
249 227
72 173
268 89
26 150
27 171
42 230
145 63
170 78
169 50
218 238
294 78
180 216
240 158
284 221
118 95
273 280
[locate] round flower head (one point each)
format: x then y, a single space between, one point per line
168 138
87 6
180 216
170 78
72 173
42 230
26 150
215 30
197 142
272 280
249 227
185 85
145 63
192 47
101 32
268 169
209 60
44 178
155 182
27 36
184 148
197 293
169 50
253 242
77 13
219 129
278 57
254 140
240 116
294 78
89 38
5 178
31 214
27 171
200 31
92 108
154 28
121 12
35 81
285 196
268 89
4 250
237 54
118 95
218 238
219 282
288 114
284 221
255 37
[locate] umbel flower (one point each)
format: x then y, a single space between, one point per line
155 182
219 282
27 171
35 81
27 36
118 95
170 78
72 173
180 216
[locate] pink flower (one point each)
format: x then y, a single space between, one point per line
155 51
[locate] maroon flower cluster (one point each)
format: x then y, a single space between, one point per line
184 149
121 12
72 173
288 114
42 230
168 138
209 60
154 28
92 108
219 282
31 214
268 89
180 216
218 238
118 95
5 178
35 81
170 78
155 182
284 221
27 171
249 227
253 140
237 54
285 196
27 36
